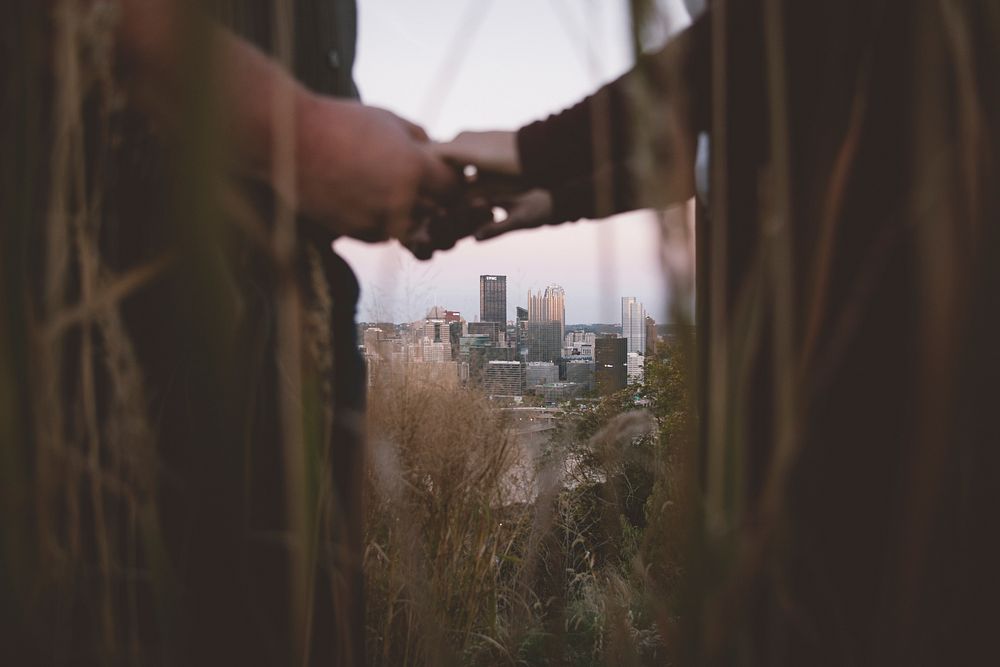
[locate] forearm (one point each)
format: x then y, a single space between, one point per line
356 170
562 148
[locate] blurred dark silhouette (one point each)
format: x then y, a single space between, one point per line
847 251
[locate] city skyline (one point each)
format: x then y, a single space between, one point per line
539 305
466 298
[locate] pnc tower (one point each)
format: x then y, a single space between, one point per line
493 299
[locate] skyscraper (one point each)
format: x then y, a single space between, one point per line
634 324
611 370
651 336
544 341
548 306
493 299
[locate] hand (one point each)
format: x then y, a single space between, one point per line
524 210
441 229
475 215
495 185
493 151
363 170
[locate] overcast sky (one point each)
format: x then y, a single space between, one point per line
498 64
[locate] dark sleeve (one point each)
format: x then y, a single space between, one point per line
325 38
582 197
592 145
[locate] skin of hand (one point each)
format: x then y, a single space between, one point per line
493 151
496 184
363 170
525 210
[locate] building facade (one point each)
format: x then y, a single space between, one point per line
635 365
610 364
634 324
557 392
549 305
540 372
493 299
651 336
579 344
504 378
495 330
581 372
544 341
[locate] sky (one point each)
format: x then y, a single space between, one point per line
453 65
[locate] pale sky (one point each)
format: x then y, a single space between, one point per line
451 65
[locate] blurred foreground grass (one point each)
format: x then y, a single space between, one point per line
482 551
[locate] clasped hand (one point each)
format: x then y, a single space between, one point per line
397 184
372 175
493 199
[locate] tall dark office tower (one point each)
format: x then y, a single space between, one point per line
610 356
493 299
544 341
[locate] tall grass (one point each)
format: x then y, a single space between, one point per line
480 550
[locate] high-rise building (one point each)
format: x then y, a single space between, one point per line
544 340
651 336
455 336
579 343
435 351
495 330
493 299
581 372
549 305
521 332
611 370
540 372
436 330
635 366
634 324
504 378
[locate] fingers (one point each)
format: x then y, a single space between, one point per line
494 151
494 229
533 208
440 181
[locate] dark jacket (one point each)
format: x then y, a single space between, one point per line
847 316
184 551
